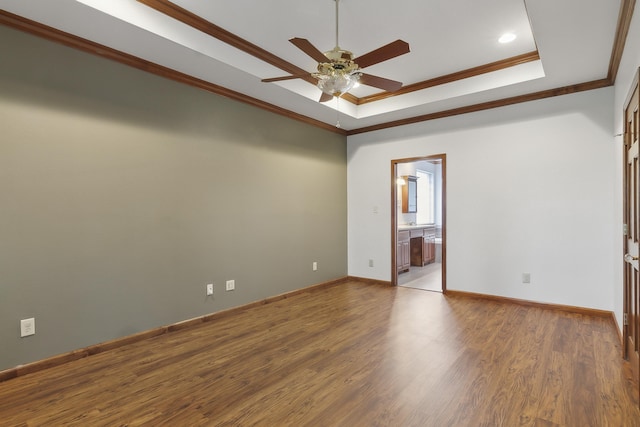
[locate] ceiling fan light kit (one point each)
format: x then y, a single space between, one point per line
338 72
338 76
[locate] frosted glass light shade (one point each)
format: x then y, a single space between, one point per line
337 83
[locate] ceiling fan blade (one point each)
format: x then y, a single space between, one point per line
325 97
383 53
380 82
306 46
278 79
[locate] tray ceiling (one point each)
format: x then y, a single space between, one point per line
455 61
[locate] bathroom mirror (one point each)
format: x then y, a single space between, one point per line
410 194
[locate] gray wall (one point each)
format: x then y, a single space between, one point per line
123 194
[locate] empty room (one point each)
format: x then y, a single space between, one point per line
327 213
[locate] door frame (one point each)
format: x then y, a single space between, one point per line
394 214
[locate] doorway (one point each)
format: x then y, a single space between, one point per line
419 237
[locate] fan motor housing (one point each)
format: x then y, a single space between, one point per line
341 62
337 54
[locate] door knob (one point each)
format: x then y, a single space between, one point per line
629 258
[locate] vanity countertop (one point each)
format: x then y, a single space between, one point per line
414 227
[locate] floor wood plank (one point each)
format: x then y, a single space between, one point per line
353 354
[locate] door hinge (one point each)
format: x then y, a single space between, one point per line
625 320
625 229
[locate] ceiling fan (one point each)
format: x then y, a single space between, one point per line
338 71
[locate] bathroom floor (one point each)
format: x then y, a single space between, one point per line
428 278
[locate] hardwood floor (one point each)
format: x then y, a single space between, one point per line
353 354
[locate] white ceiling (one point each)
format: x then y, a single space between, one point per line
574 39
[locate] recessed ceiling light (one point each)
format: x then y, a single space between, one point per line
507 38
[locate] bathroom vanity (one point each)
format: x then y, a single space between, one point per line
416 246
403 251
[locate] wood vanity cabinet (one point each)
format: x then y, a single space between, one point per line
410 194
423 246
403 257
429 251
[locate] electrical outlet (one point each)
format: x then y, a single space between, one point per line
370 263
526 277
314 267
231 285
27 327
210 289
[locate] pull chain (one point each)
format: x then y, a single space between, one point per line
338 111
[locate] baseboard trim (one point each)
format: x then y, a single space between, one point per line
558 307
64 358
548 306
615 322
369 281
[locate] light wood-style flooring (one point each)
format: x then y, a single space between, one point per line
428 277
353 354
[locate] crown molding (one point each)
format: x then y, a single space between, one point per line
624 22
70 40
596 84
